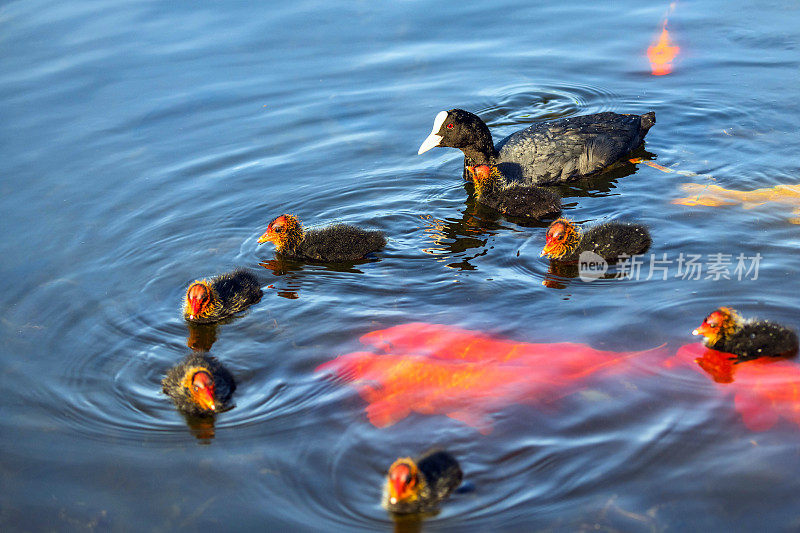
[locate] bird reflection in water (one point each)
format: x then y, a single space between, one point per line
410 523
290 268
201 336
454 237
560 274
202 427
285 267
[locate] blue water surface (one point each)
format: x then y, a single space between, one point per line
147 144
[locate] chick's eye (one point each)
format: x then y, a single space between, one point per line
450 126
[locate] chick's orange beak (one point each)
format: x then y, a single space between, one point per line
703 330
203 391
205 399
266 237
195 306
196 299
397 488
548 247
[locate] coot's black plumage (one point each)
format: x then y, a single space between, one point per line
565 241
334 244
725 331
199 385
514 199
211 300
419 485
548 152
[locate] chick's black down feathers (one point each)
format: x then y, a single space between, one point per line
237 290
440 474
521 201
610 241
338 243
614 239
758 338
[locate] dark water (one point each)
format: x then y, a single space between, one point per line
147 144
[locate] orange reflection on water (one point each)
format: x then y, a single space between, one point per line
765 390
435 369
713 196
663 52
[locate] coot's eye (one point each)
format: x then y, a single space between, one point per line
450 126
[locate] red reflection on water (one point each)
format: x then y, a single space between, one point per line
435 369
662 52
765 390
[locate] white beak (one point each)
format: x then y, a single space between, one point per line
695 332
433 139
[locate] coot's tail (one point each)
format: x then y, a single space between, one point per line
648 119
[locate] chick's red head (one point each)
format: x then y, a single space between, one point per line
274 230
283 231
561 238
480 172
719 323
197 299
201 389
403 481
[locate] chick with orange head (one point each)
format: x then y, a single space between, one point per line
211 300
565 241
419 485
340 243
199 385
725 331
512 199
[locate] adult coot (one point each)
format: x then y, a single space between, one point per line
337 243
418 485
548 152
725 331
